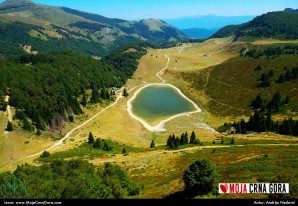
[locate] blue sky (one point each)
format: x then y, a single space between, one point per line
164 9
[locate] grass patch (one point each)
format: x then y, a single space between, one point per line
86 150
250 163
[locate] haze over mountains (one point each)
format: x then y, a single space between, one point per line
59 26
205 26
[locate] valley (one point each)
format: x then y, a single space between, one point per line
93 107
162 167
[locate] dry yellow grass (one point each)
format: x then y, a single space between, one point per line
273 41
117 125
150 64
161 171
17 144
37 34
201 55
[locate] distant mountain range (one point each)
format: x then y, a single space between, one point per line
198 33
205 26
278 25
48 28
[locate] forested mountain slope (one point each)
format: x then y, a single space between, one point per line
46 28
276 25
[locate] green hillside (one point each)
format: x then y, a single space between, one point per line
14 34
47 29
233 84
278 25
49 87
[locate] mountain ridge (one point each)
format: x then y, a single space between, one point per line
58 24
279 25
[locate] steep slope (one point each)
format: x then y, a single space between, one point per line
279 25
265 70
48 28
149 29
15 4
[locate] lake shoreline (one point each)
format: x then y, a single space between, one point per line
160 126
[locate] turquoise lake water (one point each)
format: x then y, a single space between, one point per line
156 102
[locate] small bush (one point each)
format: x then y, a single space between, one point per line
45 154
9 126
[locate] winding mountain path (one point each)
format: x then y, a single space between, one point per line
60 142
160 126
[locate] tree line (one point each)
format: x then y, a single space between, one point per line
262 122
288 75
174 142
269 52
273 105
75 179
98 143
47 89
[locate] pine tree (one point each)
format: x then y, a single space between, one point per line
232 141
125 93
172 144
38 132
113 93
90 138
198 142
45 154
281 78
103 93
243 126
71 118
222 141
182 139
97 144
94 96
108 97
106 147
288 75
271 73
287 100
192 138
276 101
9 126
84 100
169 140
269 122
186 137
26 125
265 80
177 142
152 145
238 128
257 102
